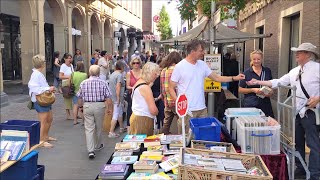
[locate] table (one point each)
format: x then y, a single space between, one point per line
8 164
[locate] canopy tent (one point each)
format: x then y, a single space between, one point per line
223 35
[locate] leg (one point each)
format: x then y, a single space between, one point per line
300 142
50 119
43 124
120 117
168 117
89 125
313 142
75 110
129 111
99 112
114 119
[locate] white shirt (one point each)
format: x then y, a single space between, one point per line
310 79
37 84
104 71
66 70
139 104
190 80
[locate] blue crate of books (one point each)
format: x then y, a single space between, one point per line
207 129
40 170
25 169
33 127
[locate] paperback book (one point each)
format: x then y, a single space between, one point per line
170 164
144 164
152 171
134 138
122 153
139 176
127 146
120 173
124 159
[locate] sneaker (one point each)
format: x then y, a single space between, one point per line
122 130
99 148
113 135
92 155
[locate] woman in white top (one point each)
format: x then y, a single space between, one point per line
66 70
37 85
144 108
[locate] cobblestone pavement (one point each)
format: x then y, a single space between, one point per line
68 159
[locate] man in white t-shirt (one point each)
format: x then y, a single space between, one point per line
188 78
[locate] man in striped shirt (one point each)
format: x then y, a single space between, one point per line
94 97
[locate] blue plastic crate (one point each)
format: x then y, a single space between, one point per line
40 170
33 127
207 129
25 169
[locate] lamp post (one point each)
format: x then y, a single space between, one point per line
211 96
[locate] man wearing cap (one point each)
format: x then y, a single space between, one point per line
306 77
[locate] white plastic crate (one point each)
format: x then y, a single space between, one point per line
232 113
259 139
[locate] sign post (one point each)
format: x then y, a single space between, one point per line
182 109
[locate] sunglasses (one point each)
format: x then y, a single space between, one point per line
136 63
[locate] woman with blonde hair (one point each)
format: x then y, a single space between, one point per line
253 96
66 70
131 78
37 85
144 108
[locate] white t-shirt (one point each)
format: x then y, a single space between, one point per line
66 70
103 71
190 80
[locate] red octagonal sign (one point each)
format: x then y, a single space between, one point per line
182 105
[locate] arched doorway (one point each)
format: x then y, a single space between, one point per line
54 31
122 41
95 37
78 41
108 40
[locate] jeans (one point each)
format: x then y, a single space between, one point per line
307 131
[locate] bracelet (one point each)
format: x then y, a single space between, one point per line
232 78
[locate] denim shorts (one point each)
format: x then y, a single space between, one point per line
75 99
40 109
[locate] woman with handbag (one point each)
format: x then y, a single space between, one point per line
42 96
65 73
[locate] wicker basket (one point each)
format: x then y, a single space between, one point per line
198 144
192 172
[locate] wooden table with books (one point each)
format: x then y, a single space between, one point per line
8 164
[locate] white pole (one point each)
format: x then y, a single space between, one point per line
183 132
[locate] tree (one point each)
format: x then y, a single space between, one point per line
164 25
187 9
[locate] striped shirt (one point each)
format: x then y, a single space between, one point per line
165 77
94 90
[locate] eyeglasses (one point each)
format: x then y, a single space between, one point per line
135 63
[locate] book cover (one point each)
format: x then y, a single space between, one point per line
126 145
134 138
4 155
144 164
152 171
108 176
152 138
16 148
151 157
122 153
139 176
170 164
152 153
152 143
157 148
124 159
113 168
171 151
160 176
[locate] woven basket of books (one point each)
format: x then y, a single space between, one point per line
207 165
211 145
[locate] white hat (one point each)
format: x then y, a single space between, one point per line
307 47
136 52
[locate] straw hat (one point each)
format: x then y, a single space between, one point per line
307 47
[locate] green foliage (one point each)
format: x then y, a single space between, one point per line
164 25
188 9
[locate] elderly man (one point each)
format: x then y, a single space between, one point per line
306 77
94 97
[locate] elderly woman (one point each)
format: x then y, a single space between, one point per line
66 70
131 78
78 76
251 93
144 108
37 85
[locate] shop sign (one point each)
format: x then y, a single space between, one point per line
211 85
214 62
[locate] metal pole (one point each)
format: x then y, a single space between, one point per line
212 38
183 132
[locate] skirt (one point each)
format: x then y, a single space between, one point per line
141 125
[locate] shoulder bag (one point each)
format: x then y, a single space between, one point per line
46 98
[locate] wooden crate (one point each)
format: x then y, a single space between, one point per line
192 172
198 144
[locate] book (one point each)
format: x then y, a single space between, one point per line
151 157
170 164
266 90
113 168
171 151
160 176
126 145
167 139
124 159
218 148
158 148
134 138
16 148
152 153
152 138
152 143
191 159
139 176
16 135
144 164
119 175
4 156
152 171
122 153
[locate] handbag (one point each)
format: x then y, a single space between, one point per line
68 90
46 98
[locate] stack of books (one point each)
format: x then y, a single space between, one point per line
13 144
146 166
114 171
153 140
124 159
135 138
151 155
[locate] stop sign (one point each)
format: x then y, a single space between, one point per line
182 105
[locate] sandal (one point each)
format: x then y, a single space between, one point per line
52 139
47 145
113 135
76 123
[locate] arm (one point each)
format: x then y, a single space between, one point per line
249 90
109 105
118 88
148 96
56 62
128 81
172 92
62 76
218 78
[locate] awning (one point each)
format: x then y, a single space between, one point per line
188 36
223 35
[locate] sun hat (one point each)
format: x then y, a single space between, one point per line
307 47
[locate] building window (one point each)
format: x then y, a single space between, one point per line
293 39
260 30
